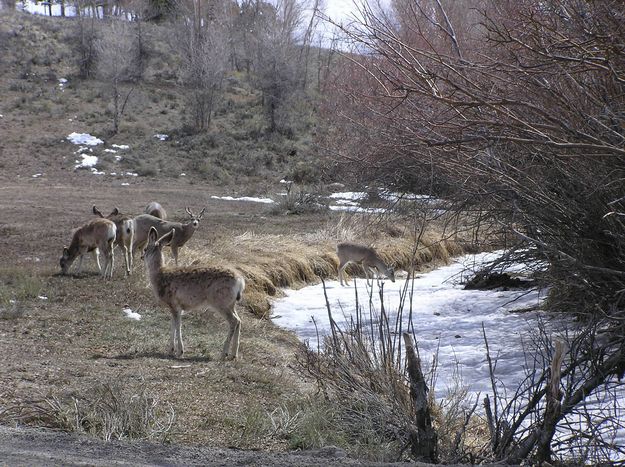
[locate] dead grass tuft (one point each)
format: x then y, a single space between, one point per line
109 410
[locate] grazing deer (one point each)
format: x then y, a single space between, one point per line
184 232
125 234
98 236
155 209
191 288
364 255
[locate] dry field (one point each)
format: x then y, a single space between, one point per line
78 338
71 359
75 349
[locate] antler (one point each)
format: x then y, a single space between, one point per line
201 213
188 211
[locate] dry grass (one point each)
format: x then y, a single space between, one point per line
272 262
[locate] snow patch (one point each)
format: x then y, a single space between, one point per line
87 161
349 195
161 136
84 138
245 198
131 314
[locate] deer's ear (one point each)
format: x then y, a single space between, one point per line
96 211
201 213
167 238
152 235
114 212
65 251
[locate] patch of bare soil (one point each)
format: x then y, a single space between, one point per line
27 447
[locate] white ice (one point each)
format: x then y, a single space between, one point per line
447 319
87 161
131 314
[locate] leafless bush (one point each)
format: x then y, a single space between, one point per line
382 408
299 201
514 111
201 40
85 37
118 60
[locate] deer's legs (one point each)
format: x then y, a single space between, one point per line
231 345
342 276
172 333
96 255
178 330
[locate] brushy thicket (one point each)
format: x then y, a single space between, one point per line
514 111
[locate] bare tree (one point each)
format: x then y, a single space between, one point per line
203 44
117 56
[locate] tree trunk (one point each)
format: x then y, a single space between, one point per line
423 439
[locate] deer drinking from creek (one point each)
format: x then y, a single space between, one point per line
366 256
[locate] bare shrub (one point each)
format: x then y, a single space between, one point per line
118 57
381 405
299 201
201 40
83 41
512 112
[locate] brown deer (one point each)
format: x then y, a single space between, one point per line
214 288
184 232
125 234
155 209
97 236
366 256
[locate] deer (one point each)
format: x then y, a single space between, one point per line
366 256
155 209
125 234
144 222
98 236
215 288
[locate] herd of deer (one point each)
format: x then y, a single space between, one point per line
183 288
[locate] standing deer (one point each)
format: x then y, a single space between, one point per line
125 234
155 209
366 256
98 236
191 288
184 232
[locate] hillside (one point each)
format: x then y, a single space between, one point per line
44 101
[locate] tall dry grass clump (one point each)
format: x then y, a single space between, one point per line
106 410
272 262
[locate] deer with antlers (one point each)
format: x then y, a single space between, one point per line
184 232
